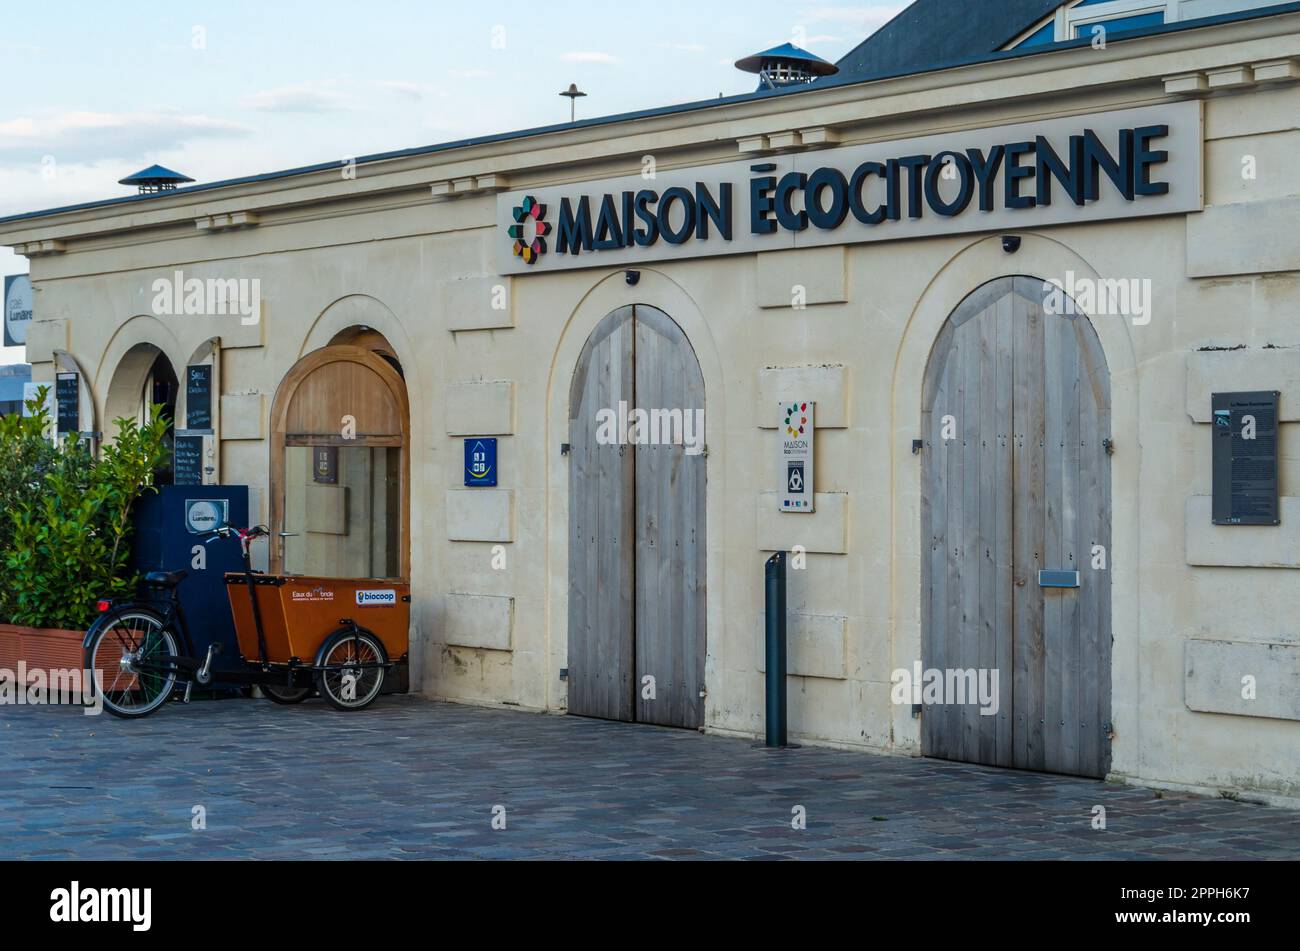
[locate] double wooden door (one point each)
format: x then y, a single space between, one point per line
636 527
1016 499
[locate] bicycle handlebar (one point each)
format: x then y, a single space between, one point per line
245 535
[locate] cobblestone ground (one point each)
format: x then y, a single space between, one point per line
414 779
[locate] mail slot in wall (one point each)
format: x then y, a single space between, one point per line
1058 579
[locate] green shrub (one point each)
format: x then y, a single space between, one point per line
65 517
26 454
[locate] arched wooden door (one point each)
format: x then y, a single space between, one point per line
340 495
636 528
1017 482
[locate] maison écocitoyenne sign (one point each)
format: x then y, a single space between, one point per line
1122 164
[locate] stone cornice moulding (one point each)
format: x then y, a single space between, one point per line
238 219
470 185
789 140
1142 66
1240 76
37 249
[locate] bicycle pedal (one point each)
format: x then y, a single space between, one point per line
188 688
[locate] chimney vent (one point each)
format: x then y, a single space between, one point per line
155 179
786 65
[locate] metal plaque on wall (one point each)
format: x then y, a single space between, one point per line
1245 458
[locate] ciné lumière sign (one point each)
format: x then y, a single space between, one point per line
1122 164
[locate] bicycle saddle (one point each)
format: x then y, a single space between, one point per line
166 579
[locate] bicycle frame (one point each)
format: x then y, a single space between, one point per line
187 666
189 669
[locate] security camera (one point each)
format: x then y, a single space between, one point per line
1010 243
633 278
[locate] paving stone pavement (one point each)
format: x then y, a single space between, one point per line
411 778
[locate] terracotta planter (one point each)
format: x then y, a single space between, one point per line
40 649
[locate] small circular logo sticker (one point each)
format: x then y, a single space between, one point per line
203 516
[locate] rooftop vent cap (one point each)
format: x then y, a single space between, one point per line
786 65
155 179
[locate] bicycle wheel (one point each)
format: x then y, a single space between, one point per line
279 693
344 682
133 658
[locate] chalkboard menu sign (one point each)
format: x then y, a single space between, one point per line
198 397
67 396
187 460
1245 458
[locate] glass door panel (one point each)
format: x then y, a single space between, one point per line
343 511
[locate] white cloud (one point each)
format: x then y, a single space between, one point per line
29 188
301 97
405 88
590 57
88 136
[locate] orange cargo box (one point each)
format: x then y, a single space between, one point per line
298 613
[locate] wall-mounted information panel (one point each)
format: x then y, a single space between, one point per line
1245 458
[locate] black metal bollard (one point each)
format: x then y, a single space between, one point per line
776 624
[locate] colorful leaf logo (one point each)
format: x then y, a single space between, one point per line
530 211
795 420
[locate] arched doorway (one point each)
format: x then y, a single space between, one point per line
1016 533
637 585
340 493
145 377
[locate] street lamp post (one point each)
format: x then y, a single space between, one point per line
573 94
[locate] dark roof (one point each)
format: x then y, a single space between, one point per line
790 54
842 79
942 31
155 175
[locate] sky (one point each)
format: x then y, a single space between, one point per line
94 91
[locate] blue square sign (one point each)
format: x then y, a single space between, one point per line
480 463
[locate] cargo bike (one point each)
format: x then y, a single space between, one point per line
293 634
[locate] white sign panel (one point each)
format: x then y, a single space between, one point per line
798 430
17 309
1124 164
